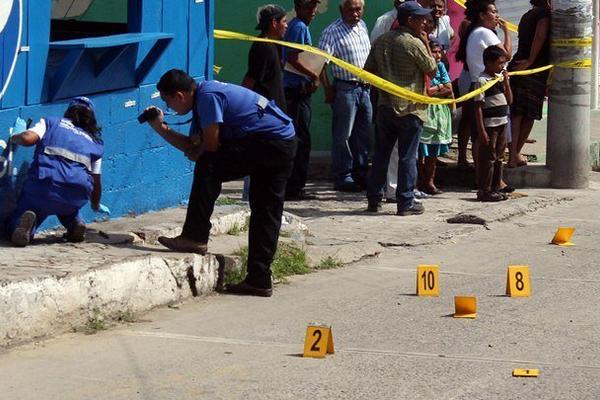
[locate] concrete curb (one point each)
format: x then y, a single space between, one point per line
45 306
59 302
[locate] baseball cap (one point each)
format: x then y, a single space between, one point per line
409 8
83 101
268 13
304 3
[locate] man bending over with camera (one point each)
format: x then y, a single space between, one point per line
235 132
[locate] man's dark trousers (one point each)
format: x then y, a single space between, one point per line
406 131
269 163
299 109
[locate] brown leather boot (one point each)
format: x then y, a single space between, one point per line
183 244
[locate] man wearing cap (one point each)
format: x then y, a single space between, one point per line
403 57
235 132
265 70
64 174
347 38
298 90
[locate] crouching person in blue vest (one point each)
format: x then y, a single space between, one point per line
64 174
235 132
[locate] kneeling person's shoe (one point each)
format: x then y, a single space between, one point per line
77 233
245 288
22 234
414 209
183 244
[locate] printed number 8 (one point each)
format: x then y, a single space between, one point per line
519 284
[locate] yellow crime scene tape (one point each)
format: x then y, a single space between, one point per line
388 86
575 42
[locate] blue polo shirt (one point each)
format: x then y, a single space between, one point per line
297 32
240 112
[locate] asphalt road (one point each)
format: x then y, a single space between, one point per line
390 344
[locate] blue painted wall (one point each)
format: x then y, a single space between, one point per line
140 171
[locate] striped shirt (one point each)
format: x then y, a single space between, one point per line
495 106
349 43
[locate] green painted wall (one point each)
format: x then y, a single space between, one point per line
240 16
106 11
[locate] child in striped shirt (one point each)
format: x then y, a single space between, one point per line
491 115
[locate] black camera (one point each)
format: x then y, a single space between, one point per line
148 114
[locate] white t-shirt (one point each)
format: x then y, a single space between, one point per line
383 24
40 130
480 39
443 32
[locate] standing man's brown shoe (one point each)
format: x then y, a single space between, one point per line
183 244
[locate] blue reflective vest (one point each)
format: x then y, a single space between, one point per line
64 156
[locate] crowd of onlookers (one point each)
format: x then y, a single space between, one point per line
409 47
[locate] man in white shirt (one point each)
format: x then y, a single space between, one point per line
347 38
384 22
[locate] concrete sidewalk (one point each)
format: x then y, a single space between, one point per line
54 287
539 134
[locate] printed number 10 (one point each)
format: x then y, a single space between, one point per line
428 280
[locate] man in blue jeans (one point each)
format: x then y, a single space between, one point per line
401 56
347 38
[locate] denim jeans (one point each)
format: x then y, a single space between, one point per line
390 129
351 127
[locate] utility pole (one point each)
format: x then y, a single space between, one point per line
596 58
568 145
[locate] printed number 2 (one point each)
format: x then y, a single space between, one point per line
519 283
428 280
317 333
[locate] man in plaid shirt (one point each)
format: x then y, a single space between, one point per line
403 57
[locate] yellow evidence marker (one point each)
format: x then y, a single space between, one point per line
319 341
562 236
517 281
526 373
465 307
427 280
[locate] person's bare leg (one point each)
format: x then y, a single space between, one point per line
475 153
429 178
464 132
513 149
526 127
